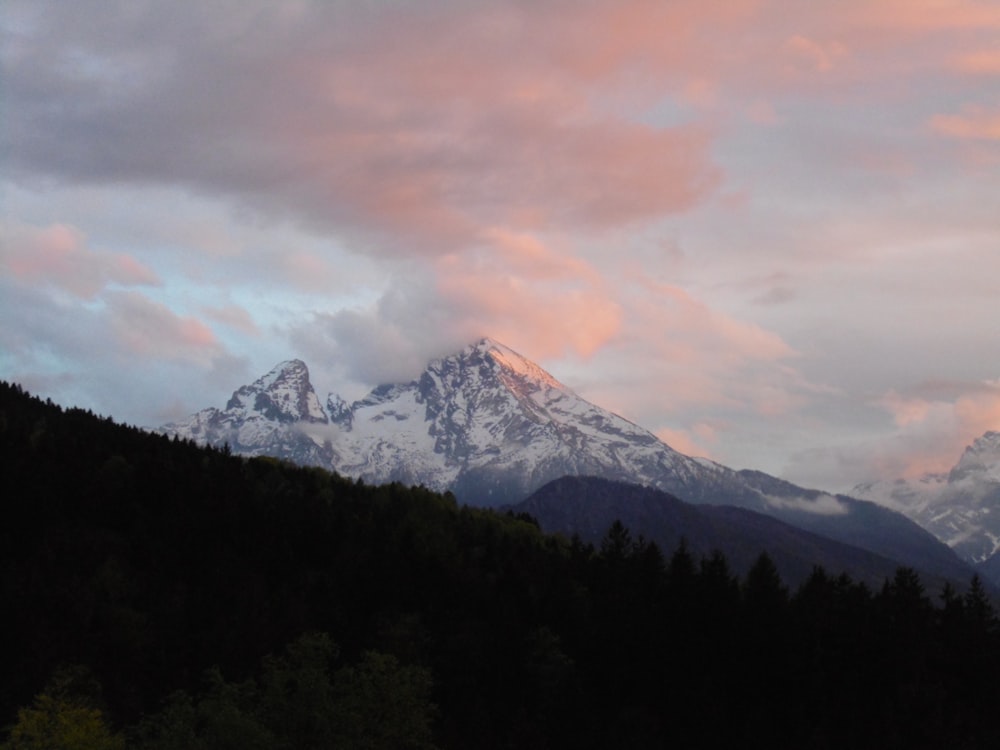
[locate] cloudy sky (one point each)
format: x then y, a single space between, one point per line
767 231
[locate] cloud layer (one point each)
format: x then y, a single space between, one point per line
759 228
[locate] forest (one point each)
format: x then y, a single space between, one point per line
158 594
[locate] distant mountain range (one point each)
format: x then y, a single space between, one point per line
587 506
493 427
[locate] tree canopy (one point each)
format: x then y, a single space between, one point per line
159 594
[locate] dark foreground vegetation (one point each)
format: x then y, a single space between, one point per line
161 595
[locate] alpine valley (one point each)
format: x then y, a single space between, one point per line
492 427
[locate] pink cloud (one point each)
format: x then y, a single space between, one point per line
697 363
980 411
975 123
762 112
58 255
148 329
983 62
905 411
310 271
934 432
693 331
815 55
518 287
233 316
690 442
927 15
520 290
413 128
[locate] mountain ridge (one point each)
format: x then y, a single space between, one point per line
587 506
491 427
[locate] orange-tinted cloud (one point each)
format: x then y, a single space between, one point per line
934 431
148 329
519 289
692 329
696 362
816 55
926 15
689 442
233 316
975 123
983 62
498 153
58 255
905 411
408 129
411 128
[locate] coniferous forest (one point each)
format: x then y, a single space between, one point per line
157 594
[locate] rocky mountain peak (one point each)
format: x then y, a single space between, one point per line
981 458
339 410
486 371
285 394
518 369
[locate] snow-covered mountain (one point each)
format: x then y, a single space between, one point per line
960 507
486 423
265 418
492 427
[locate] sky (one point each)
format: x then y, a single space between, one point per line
768 232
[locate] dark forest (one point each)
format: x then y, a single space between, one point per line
157 594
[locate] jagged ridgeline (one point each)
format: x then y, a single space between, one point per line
492 427
160 594
485 423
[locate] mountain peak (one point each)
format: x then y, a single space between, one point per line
290 369
989 442
285 394
516 365
982 457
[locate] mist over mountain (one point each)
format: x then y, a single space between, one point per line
587 506
961 507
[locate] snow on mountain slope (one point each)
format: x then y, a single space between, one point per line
961 508
492 427
271 417
486 423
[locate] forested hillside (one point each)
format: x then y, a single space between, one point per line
161 595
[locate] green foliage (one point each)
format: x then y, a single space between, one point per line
63 716
295 697
298 704
381 704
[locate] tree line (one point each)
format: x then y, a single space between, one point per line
159 594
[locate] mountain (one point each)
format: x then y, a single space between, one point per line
492 427
587 506
960 507
269 417
486 423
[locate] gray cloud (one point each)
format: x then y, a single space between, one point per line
291 113
379 183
